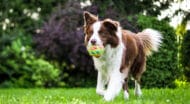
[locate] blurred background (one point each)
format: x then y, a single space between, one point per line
41 41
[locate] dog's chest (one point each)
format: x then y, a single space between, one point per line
110 60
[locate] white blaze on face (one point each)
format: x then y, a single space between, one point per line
95 36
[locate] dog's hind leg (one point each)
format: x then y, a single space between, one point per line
138 91
126 89
138 68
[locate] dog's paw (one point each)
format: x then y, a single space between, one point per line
138 93
100 92
126 95
108 97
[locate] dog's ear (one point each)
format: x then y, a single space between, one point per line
89 18
111 25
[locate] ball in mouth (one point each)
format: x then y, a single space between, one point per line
95 50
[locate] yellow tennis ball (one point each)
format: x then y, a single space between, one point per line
95 50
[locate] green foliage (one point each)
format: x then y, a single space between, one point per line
181 29
185 52
21 68
131 7
19 65
89 96
162 67
182 83
44 73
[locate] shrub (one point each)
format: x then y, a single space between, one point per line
21 68
185 51
19 65
62 39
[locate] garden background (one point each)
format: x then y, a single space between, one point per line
41 41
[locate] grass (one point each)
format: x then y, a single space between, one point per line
88 96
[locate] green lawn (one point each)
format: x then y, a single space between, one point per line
88 96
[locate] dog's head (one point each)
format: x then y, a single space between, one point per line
100 32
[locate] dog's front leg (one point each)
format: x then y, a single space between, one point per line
114 86
100 84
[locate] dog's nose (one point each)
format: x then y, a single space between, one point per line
93 41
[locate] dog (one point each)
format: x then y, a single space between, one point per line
125 54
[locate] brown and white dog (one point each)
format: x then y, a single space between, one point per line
125 54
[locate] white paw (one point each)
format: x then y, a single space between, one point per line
126 95
138 92
108 97
100 92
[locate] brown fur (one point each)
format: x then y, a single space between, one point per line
107 33
134 58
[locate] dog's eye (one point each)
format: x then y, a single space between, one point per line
102 33
90 33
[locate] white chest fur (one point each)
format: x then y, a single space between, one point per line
110 60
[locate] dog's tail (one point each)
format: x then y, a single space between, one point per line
151 40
